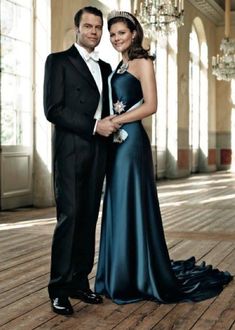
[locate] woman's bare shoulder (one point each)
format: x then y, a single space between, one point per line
142 63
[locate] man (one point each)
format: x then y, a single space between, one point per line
76 102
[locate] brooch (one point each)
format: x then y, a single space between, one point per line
119 107
123 68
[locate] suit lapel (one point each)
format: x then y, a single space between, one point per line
103 75
105 72
78 62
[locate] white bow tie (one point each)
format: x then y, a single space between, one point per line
94 56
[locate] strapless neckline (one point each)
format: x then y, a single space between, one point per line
132 75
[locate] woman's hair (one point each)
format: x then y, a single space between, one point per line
136 50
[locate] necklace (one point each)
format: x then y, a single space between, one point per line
123 68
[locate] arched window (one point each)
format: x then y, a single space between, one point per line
160 120
167 113
194 100
198 99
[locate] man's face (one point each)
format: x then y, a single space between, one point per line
89 31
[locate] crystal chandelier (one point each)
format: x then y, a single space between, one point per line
160 16
223 66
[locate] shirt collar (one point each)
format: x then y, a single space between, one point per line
85 55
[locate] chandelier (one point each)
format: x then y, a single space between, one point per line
160 16
223 66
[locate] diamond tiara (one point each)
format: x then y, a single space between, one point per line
118 13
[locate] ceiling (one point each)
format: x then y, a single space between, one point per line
214 10
221 3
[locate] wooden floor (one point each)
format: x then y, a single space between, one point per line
199 219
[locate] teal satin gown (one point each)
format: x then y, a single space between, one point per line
134 263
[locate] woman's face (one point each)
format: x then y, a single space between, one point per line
121 36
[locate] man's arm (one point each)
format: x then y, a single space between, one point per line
106 127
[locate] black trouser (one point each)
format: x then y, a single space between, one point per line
78 188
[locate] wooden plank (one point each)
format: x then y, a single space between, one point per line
22 306
19 241
42 317
113 313
221 251
189 248
10 279
192 228
23 214
145 317
8 235
181 316
187 219
201 236
23 290
223 304
102 316
16 249
27 305
27 257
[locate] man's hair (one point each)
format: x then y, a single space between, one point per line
88 9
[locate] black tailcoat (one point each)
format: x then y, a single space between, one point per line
71 98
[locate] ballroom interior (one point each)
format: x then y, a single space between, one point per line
193 130
192 136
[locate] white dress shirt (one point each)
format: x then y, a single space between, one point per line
91 60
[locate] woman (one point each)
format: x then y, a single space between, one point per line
134 263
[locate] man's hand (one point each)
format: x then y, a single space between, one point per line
106 127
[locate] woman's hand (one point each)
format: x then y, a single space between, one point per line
107 126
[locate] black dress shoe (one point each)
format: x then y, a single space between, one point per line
87 296
61 305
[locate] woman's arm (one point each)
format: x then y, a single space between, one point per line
143 70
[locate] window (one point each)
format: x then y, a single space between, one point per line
194 74
161 68
198 98
16 76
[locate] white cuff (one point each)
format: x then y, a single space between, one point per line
94 130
